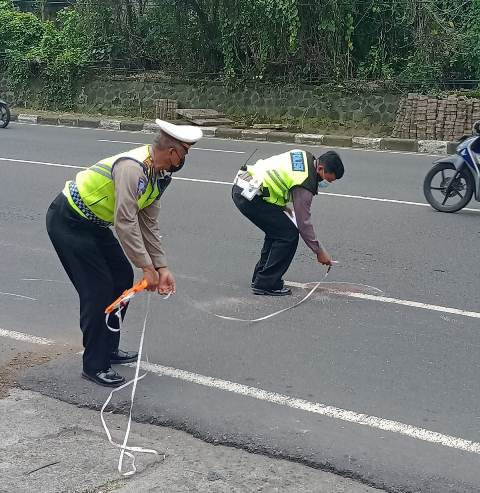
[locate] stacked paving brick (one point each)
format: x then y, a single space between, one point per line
428 118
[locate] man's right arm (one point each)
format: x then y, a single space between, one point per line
128 176
302 203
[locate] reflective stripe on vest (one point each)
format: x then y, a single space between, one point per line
279 174
95 188
77 200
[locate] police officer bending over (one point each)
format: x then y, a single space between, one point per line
261 193
121 191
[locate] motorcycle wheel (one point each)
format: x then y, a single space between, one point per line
4 116
437 181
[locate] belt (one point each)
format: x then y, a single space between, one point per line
77 200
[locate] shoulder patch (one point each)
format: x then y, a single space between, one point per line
141 186
298 163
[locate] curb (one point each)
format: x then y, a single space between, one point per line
440 147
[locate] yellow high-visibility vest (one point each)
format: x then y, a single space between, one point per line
279 174
92 193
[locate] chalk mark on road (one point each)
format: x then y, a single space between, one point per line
17 296
20 336
45 280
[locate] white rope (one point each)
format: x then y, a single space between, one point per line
124 448
125 301
118 314
271 315
266 317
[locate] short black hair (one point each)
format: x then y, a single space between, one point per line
332 163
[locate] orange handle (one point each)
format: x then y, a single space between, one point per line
136 288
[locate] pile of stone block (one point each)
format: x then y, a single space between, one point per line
204 117
430 118
166 109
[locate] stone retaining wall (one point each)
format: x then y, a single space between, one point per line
136 98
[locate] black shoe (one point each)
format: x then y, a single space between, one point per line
272 292
107 378
252 284
118 357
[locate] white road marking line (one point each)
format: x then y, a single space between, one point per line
17 296
203 181
341 195
288 401
376 199
391 201
384 299
315 407
41 163
358 197
20 336
193 148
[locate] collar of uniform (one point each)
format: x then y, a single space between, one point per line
149 163
149 160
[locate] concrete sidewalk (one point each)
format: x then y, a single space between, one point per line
49 446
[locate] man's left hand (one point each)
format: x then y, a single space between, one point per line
166 283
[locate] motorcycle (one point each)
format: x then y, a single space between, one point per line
4 114
450 184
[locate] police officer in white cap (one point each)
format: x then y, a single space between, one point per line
122 191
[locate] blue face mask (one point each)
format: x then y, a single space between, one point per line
323 184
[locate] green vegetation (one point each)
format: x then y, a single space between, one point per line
425 44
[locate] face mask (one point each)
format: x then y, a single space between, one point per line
323 183
174 169
179 166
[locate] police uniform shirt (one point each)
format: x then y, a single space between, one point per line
302 204
137 230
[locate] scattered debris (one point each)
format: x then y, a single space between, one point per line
11 370
270 126
214 476
204 117
42 467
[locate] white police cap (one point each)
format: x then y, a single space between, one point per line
183 133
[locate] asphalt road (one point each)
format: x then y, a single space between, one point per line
384 356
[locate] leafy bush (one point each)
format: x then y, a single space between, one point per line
50 55
424 44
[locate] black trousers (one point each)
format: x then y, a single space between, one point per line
96 265
281 239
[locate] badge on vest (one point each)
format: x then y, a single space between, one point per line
142 186
298 164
